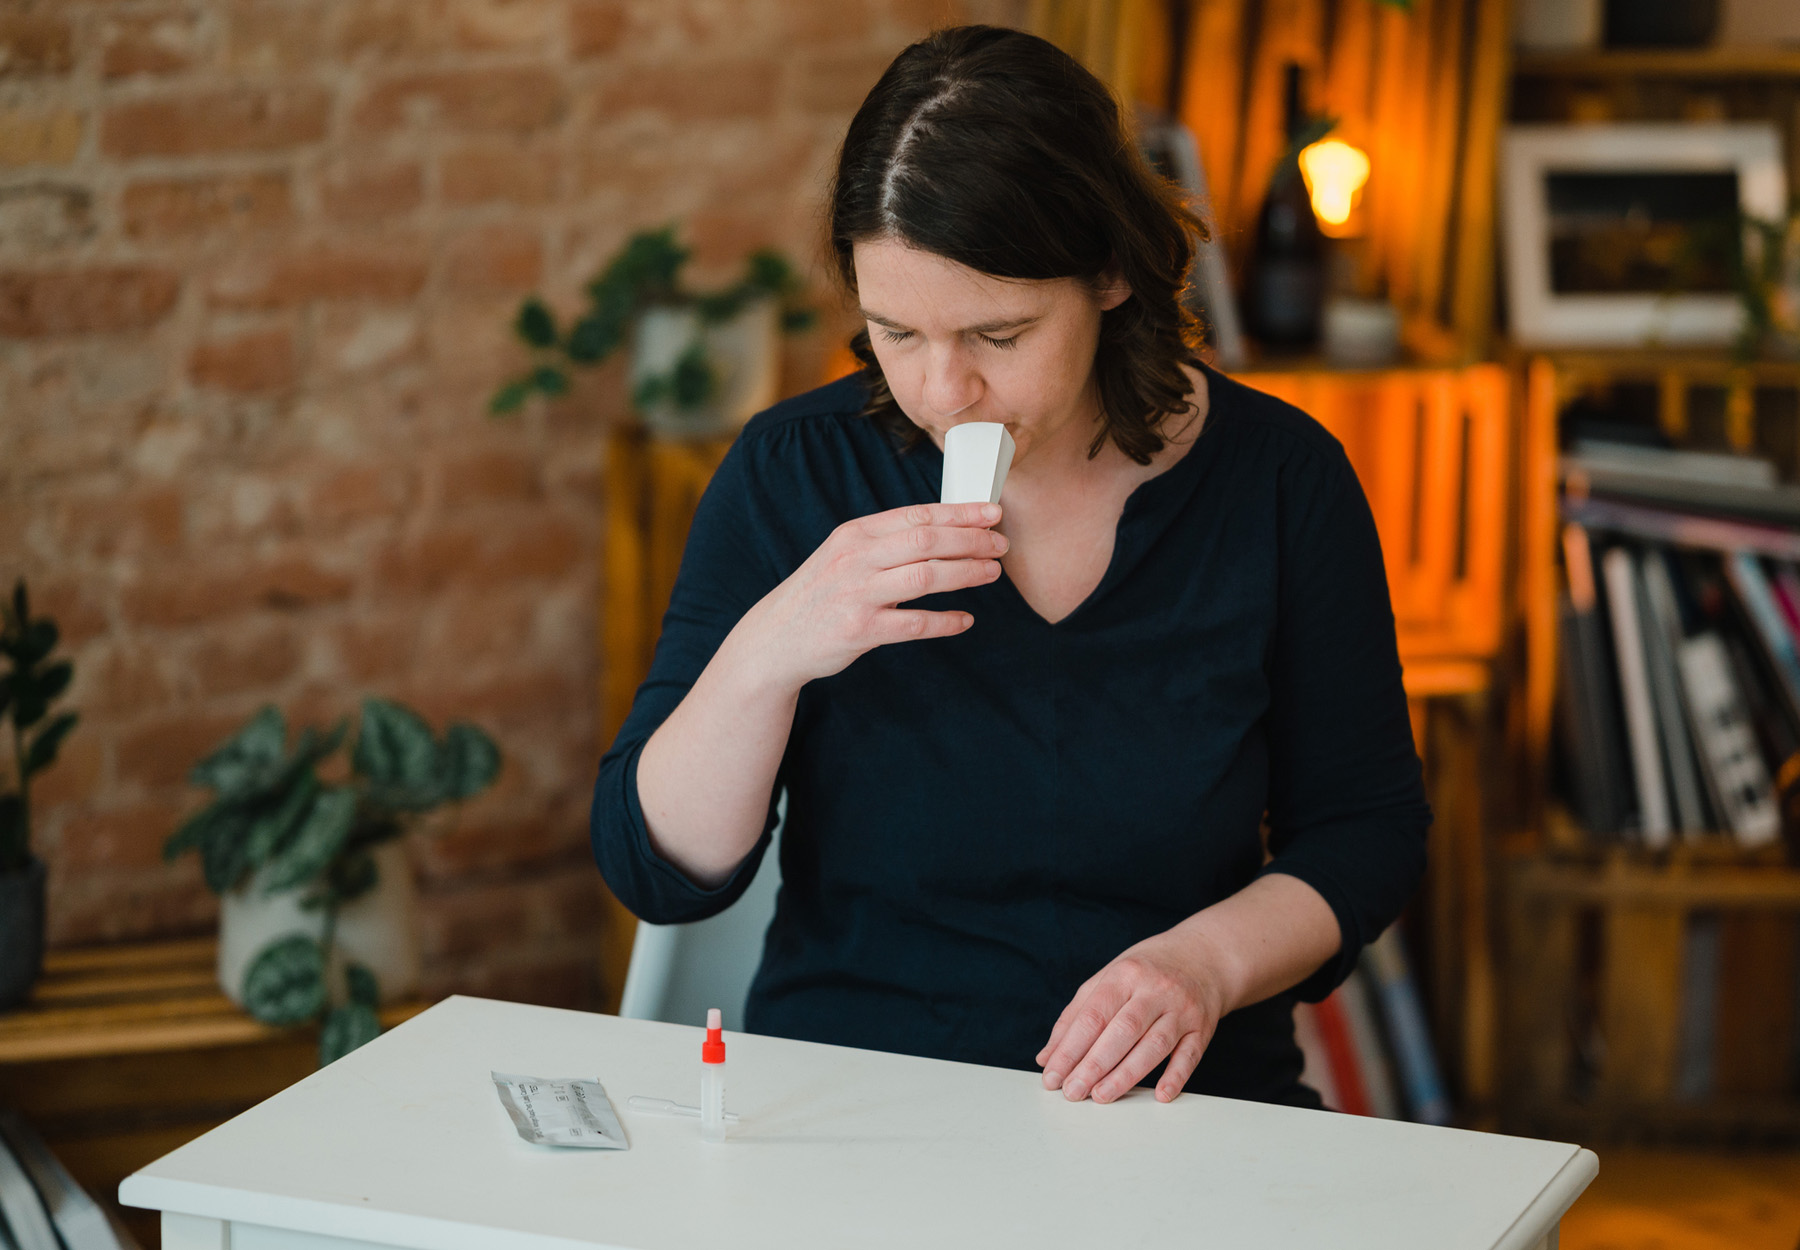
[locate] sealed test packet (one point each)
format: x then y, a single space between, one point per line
565 1111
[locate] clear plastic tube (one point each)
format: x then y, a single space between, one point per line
712 1079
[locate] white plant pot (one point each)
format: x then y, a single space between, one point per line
377 930
744 353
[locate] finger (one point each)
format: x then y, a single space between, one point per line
931 577
912 624
1098 1006
1182 1062
1151 1049
936 542
1129 1025
1061 1026
979 515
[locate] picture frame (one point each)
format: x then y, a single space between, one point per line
1172 149
1617 235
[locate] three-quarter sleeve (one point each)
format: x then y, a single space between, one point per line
1347 809
724 572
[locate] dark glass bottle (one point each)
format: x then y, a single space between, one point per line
1284 285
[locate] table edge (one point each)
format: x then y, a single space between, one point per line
1552 1202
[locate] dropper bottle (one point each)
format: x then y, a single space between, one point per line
712 1079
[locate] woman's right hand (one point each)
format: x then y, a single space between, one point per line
844 600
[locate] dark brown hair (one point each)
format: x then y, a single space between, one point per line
996 149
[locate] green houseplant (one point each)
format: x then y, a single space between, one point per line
29 684
278 836
700 360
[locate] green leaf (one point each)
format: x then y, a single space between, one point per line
693 382
48 741
21 605
222 858
191 833
313 845
247 759
535 324
594 338
396 752
55 679
795 320
363 988
286 981
6 689
29 705
511 397
346 1028
38 642
271 827
468 763
550 380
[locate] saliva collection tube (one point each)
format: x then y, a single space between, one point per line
712 1078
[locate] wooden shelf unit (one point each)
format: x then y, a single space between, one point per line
124 1053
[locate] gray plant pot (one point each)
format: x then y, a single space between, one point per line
21 932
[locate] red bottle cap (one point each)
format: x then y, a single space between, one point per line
713 1049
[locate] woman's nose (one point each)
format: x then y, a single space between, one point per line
950 385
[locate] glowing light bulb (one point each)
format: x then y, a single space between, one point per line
1334 173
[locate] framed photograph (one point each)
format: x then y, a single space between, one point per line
1171 148
1623 235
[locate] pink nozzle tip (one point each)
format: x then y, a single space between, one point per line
713 1019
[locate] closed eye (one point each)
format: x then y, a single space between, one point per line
896 336
1006 344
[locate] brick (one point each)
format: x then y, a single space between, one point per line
239 660
475 847
496 259
185 207
128 838
269 38
722 238
35 43
119 906
41 216
127 677
34 138
102 524
808 25
391 274
516 100
377 651
596 27
371 192
356 492
82 301
423 564
571 980
837 82
172 596
149 43
161 750
71 602
489 477
386 30
498 175
257 363
200 123
80 765
695 90
483 25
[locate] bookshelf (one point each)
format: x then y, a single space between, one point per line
1612 1025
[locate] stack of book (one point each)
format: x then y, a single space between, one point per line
1679 691
1367 1048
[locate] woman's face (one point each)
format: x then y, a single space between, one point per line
959 345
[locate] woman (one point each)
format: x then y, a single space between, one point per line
1028 748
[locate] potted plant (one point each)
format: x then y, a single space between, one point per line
315 918
1767 271
701 362
30 683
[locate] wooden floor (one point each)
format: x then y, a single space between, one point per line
1667 1200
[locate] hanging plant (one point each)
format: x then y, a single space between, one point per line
275 825
646 274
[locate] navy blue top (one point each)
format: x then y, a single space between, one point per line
977 824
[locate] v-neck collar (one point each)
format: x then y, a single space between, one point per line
1154 499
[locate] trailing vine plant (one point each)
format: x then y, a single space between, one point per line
646 273
274 826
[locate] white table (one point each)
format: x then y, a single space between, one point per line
404 1143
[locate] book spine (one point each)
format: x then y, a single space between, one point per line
1731 758
1662 633
1746 576
1340 1052
1682 529
1417 1060
1315 1062
1634 683
1371 1048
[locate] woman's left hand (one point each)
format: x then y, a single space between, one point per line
1159 1000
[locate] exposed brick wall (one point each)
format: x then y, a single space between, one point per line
256 259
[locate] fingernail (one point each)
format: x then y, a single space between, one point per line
1004 545
1052 1078
1075 1091
990 512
